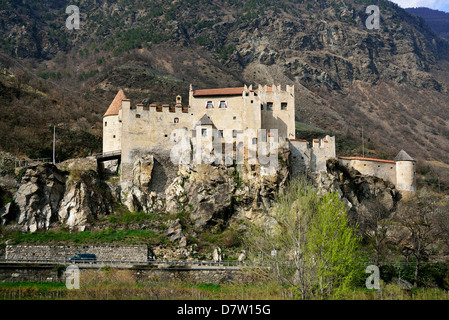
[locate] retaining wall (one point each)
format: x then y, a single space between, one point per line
122 253
56 273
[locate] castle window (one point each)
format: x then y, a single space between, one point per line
171 109
209 105
284 106
105 123
158 108
223 104
220 133
113 136
270 106
234 117
137 116
261 107
234 133
252 101
176 120
254 140
204 132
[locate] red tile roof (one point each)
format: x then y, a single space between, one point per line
116 104
219 92
366 159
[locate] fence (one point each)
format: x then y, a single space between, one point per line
28 162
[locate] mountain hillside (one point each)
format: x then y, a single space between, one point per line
392 82
437 20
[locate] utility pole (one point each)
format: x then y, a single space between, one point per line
363 144
54 144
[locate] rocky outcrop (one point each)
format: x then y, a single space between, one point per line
38 197
142 170
49 196
84 201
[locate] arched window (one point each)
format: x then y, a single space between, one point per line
176 120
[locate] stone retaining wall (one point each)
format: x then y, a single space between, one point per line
56 273
122 253
215 276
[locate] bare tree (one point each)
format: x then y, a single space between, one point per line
374 225
418 233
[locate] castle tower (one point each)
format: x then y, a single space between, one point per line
405 173
112 125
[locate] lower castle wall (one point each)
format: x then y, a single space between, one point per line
383 170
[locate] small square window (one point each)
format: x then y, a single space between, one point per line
284 106
234 117
204 132
176 120
113 136
223 105
209 105
137 116
270 106
234 133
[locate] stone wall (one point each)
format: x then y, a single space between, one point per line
123 253
32 273
383 169
55 273
229 275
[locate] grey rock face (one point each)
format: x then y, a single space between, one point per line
142 171
83 201
38 197
48 195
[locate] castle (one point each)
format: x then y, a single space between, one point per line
235 115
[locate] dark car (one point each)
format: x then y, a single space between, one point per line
83 257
